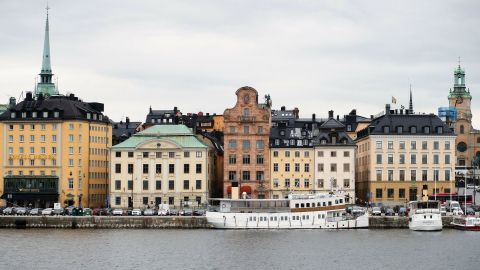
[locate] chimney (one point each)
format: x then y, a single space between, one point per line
282 108
371 116
296 112
29 96
314 118
338 117
12 102
387 109
208 114
127 122
330 114
175 110
353 112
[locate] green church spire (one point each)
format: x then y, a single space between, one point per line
46 86
459 88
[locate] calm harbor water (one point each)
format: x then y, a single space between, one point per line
247 249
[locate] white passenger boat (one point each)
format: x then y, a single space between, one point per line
425 216
467 223
313 211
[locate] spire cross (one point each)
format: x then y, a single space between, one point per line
459 61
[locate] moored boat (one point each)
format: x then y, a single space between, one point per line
467 223
425 216
312 211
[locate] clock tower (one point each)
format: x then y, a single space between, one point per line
460 99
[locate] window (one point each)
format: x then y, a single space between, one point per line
171 168
232 176
118 168
413 145
158 185
170 154
145 184
32 138
306 154
402 175
275 183
245 175
145 200
22 138
287 153
386 129
259 159
320 167
390 193
346 153
70 183
198 184
447 145
10 138
246 129
413 159
260 144
245 144
436 175
320 153
390 145
246 159
232 144
198 154
378 193
117 200
447 175
186 154
260 176
333 167
424 175
306 183
259 130
333 153
145 168
232 129
130 168
424 145
198 168
390 175
346 183
436 145
70 150
186 168
435 159
118 154
275 167
401 193
171 200
379 175
297 167
287 167
171 185
390 158
401 145
130 185
319 183
346 167
306 167
402 159
186 184
297 183
379 158
232 159
70 138
424 159
275 153
413 175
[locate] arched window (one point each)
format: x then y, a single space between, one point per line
462 129
246 112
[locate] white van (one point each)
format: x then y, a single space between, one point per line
163 209
454 207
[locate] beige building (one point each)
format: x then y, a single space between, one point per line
162 164
402 156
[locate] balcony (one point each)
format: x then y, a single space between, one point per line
246 119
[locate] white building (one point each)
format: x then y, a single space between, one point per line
163 164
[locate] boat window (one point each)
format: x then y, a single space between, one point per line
323 215
271 218
254 218
329 203
302 205
297 205
318 204
318 216
324 204
430 217
424 217
308 217
250 219
308 204
275 218
341 200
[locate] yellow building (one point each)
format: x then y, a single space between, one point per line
403 156
54 147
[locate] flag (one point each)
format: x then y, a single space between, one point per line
394 100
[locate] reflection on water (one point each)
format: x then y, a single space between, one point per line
247 249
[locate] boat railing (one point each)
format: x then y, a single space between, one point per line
427 211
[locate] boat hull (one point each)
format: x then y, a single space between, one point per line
419 223
219 220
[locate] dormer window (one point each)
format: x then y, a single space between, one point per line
24 115
386 129
323 141
426 130
89 116
57 114
282 133
45 114
13 115
349 127
246 111
439 130
413 130
34 114
100 117
399 129
94 116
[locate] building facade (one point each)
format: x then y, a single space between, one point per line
54 148
164 164
403 156
246 153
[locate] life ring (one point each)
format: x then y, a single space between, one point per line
223 205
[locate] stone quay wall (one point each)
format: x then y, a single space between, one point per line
155 222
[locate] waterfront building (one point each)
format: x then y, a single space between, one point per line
291 154
467 143
124 130
162 164
54 147
246 153
402 156
334 159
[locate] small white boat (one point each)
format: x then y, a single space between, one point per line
425 216
312 211
467 223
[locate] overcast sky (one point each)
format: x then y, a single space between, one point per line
314 55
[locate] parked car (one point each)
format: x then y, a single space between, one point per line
58 211
149 212
173 212
136 212
402 211
47 212
9 211
163 209
199 212
389 212
35 211
117 212
469 211
69 210
376 211
129 212
187 212
21 211
87 211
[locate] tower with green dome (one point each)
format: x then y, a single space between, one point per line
46 87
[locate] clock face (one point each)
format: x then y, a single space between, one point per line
246 98
462 147
459 100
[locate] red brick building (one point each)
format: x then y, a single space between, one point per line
246 155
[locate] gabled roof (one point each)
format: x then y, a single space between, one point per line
331 123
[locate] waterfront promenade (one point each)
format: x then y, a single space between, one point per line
159 222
